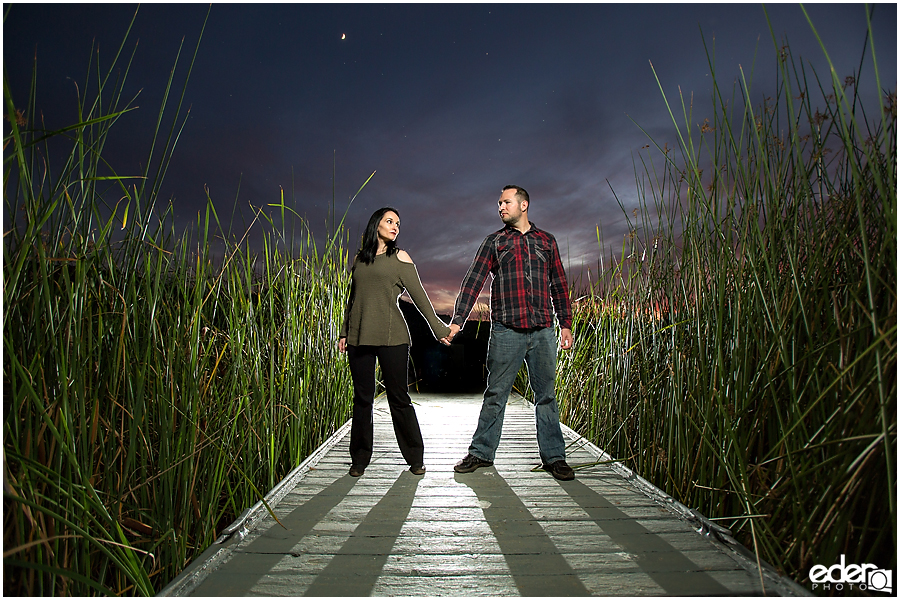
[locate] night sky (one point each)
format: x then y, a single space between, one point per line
447 102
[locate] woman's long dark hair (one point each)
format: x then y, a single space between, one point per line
369 244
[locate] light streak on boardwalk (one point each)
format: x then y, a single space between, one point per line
500 531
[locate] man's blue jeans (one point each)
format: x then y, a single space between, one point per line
506 351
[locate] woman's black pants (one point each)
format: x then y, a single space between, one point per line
394 361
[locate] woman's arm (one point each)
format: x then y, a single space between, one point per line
342 336
409 277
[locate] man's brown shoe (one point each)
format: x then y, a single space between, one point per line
470 463
560 470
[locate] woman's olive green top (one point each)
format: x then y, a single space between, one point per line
373 316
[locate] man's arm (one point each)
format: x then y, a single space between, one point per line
559 289
472 284
559 295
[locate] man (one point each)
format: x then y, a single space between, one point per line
528 278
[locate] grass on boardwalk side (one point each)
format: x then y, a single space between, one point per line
156 383
741 352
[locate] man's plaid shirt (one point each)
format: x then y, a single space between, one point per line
528 277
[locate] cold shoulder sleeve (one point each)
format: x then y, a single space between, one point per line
409 278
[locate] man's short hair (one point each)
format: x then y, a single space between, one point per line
520 192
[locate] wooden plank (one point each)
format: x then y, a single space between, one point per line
500 531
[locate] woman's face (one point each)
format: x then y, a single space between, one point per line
389 227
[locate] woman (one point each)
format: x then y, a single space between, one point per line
374 328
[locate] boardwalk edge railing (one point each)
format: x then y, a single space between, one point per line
216 554
770 578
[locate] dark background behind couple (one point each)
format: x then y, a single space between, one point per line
438 368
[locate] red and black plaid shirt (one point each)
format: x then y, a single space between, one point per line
528 277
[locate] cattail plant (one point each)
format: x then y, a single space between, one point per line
156 381
741 352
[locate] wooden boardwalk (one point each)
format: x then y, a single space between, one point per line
507 530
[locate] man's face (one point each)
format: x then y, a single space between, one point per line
510 207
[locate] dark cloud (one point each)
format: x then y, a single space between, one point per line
446 102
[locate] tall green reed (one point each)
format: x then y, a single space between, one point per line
156 381
741 352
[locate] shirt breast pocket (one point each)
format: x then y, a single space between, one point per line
505 253
542 252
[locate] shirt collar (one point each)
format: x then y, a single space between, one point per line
509 229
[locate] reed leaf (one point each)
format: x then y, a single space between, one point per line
153 389
741 349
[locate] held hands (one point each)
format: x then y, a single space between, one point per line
566 341
454 329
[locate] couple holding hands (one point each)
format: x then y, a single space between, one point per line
529 285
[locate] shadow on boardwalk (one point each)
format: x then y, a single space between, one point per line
501 531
